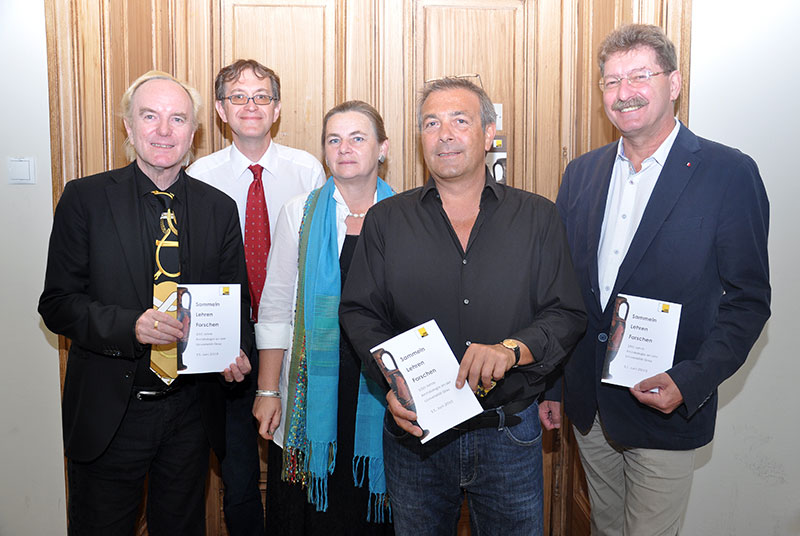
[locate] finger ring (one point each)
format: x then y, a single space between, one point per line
155 324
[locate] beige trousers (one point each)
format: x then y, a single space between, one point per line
634 491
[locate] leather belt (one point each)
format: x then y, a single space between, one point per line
155 394
491 418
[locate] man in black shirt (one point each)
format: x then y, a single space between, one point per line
491 265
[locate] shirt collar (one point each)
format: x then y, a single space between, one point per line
337 196
240 163
490 185
144 185
660 155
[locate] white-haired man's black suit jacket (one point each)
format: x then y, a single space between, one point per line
99 280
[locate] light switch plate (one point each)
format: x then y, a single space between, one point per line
22 170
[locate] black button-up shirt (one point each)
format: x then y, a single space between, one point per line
515 280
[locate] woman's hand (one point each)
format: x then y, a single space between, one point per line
268 412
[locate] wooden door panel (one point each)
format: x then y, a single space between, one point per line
478 37
298 42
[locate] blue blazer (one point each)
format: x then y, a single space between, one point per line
702 242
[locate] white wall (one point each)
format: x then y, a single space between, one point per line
31 453
745 82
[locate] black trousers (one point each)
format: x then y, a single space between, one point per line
244 511
163 440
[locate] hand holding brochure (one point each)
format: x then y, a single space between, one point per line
211 320
421 370
641 341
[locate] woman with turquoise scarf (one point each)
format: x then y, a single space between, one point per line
323 416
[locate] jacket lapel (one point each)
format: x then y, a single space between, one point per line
597 209
122 198
198 219
681 164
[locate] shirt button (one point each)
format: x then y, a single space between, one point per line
602 337
466 301
128 374
468 343
624 216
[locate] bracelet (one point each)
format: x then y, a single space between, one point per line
268 393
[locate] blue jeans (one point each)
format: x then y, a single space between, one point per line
499 469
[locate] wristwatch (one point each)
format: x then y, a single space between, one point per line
512 345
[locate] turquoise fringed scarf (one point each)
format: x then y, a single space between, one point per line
310 446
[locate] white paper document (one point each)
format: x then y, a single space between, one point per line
421 370
641 341
211 316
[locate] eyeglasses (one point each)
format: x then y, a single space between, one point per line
240 99
464 76
635 78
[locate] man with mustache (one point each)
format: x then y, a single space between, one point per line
661 214
491 265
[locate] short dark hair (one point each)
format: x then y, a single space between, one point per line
488 115
362 108
632 36
234 71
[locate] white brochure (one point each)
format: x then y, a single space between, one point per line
421 370
641 341
211 316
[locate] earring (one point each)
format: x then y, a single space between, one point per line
381 159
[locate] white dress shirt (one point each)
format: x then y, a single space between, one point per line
628 195
276 310
287 173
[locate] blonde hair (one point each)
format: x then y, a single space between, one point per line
127 106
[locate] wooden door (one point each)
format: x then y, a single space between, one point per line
535 57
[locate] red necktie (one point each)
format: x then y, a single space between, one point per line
256 239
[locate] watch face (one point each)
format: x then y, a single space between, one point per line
511 345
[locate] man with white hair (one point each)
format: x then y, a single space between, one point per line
121 242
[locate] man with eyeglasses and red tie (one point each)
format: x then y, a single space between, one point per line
260 175
666 215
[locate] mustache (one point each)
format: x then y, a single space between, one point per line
636 100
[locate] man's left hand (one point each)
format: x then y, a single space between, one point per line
237 370
483 363
665 400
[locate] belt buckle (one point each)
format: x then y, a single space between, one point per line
145 394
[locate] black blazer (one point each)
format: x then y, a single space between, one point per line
98 282
702 242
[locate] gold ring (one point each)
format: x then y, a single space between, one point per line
155 324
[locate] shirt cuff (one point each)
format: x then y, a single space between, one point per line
273 335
